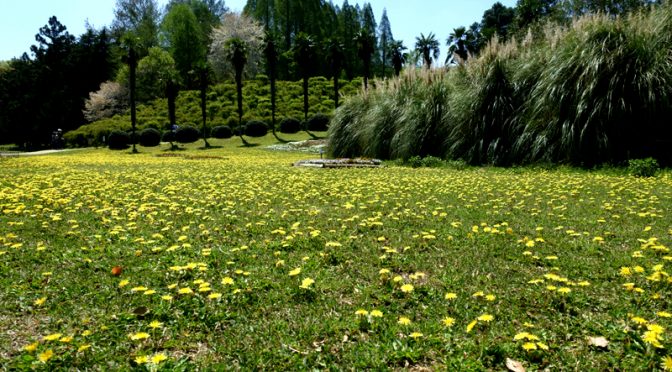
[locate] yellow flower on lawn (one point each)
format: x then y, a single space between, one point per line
185 290
155 324
83 348
40 301
486 318
490 297
215 296
31 347
141 359
52 337
666 363
138 336
295 272
307 282
66 339
158 358
407 288
450 296
529 346
361 312
167 297
44 357
664 314
471 325
139 289
404 320
448 321
376 313
227 281
416 335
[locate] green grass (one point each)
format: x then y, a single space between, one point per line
67 219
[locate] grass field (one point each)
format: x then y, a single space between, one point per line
231 259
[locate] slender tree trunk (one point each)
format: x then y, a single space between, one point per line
204 87
272 77
239 92
171 95
367 67
132 65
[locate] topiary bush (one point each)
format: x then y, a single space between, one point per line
118 140
222 132
256 128
187 134
168 136
150 137
318 123
643 167
290 125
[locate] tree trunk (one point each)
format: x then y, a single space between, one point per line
132 65
239 92
204 87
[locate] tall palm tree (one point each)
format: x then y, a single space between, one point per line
398 59
132 60
457 45
335 57
271 53
366 44
236 52
201 70
304 55
428 46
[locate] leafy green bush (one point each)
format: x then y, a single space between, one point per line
187 134
318 123
643 167
426 162
118 140
150 137
256 128
290 125
222 131
168 136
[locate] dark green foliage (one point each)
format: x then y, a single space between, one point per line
187 134
290 125
318 123
118 140
222 131
168 136
643 167
426 162
256 128
150 137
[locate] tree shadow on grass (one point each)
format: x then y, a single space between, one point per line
210 147
248 145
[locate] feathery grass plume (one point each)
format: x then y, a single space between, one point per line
600 96
345 128
485 108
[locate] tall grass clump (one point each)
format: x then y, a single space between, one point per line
598 90
484 105
604 92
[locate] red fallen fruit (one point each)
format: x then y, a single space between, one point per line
116 271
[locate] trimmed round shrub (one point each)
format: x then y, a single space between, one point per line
290 125
222 131
150 137
168 136
118 140
318 123
256 128
187 134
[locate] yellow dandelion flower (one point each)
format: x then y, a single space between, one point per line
376 313
295 272
529 346
490 297
185 290
416 335
448 321
52 337
542 346
450 296
666 363
83 348
664 314
141 359
45 356
31 347
215 296
471 325
158 358
639 320
407 288
478 294
564 290
307 282
40 301
404 320
138 336
486 318
149 292
167 297
66 339
227 281
361 312
155 324
397 279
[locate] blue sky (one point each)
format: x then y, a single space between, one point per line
21 20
